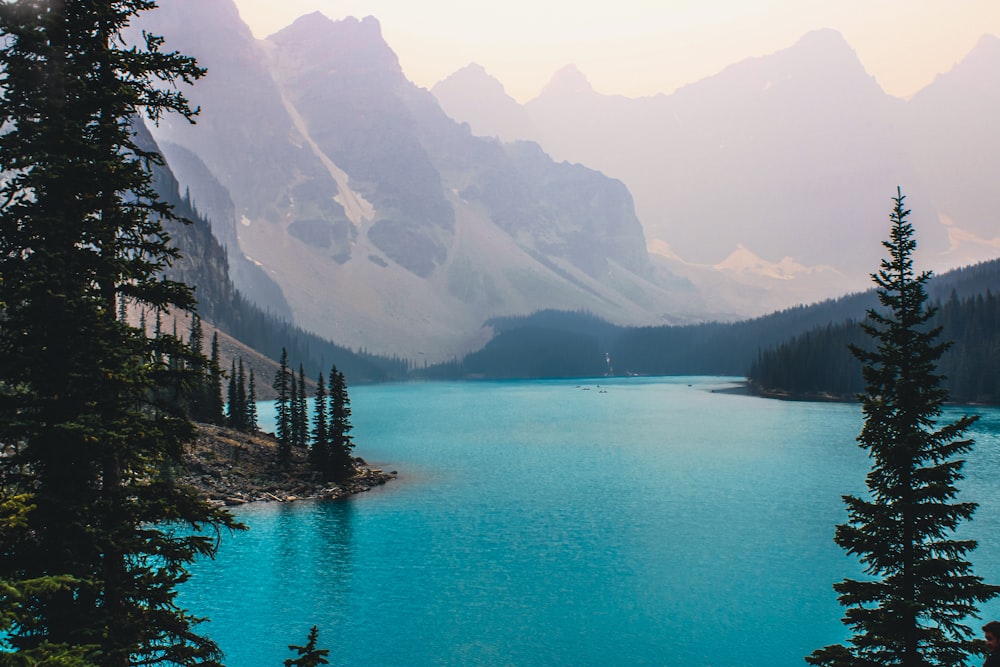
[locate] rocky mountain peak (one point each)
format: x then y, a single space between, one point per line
473 93
568 81
821 64
348 44
979 67
471 80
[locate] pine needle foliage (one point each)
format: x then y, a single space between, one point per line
284 386
920 591
89 425
308 655
340 459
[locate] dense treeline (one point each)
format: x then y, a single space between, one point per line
574 344
816 364
819 361
329 441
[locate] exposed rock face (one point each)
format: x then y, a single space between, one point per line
388 225
346 85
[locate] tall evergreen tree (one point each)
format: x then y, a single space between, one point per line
320 440
87 546
232 398
920 591
294 423
216 407
282 407
302 412
340 460
158 332
252 404
196 337
243 420
200 393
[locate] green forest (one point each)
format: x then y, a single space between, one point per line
97 533
819 363
801 351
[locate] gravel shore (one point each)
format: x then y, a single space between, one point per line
234 468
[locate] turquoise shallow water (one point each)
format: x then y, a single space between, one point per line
648 521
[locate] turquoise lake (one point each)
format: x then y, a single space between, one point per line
640 521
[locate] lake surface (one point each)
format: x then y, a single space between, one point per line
641 521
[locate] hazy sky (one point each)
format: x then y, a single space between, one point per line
642 47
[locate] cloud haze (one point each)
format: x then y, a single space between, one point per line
643 47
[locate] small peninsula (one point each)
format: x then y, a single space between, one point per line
232 468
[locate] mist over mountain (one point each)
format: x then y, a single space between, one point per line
381 222
387 225
783 165
953 135
475 97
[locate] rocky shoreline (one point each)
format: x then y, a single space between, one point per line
232 468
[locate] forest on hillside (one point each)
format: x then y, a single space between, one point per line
819 363
799 351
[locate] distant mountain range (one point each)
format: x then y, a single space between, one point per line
387 225
560 344
779 165
350 203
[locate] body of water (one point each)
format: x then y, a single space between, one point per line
642 521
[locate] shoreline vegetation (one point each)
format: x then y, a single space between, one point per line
229 467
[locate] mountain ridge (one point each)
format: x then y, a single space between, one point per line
390 226
811 165
446 229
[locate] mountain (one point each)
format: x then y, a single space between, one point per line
788 155
246 332
791 158
472 93
387 225
807 343
953 133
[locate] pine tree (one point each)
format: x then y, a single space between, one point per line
232 399
282 408
252 405
293 410
87 549
200 391
243 420
912 608
340 461
320 440
302 412
309 655
216 409
158 330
